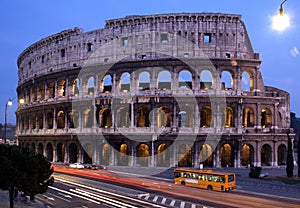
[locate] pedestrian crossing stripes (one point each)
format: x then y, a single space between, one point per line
169 202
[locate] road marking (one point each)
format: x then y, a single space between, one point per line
182 204
67 192
163 201
107 192
147 197
155 198
173 203
60 197
193 206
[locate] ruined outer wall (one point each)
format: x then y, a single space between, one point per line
228 36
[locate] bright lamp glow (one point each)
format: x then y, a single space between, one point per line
9 102
280 22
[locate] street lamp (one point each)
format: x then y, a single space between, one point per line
8 103
281 21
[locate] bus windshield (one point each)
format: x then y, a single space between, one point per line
230 178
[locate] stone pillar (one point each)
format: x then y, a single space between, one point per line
66 156
216 156
275 155
196 159
258 155
112 161
56 89
54 120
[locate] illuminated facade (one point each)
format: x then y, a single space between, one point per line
125 110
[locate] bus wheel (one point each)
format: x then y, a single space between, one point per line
182 183
209 187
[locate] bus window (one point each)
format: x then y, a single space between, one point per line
176 175
209 178
230 178
222 179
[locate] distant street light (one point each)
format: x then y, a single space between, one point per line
281 21
9 103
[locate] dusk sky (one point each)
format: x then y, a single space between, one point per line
25 22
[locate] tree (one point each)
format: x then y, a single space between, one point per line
24 170
290 158
298 157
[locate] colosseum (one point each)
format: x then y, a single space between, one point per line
166 90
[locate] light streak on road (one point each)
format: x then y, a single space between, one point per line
109 193
103 199
67 192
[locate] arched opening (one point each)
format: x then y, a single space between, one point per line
248 117
40 149
144 81
227 80
106 84
206 80
184 156
60 152
185 79
123 155
247 157
91 86
206 117
73 153
125 82
105 118
227 155
164 80
206 155
266 118
123 117
73 119
282 154
164 117
88 118
50 120
42 91
33 121
266 155
229 117
49 152
34 97
142 155
61 88
247 81
163 156
88 153
40 121
33 146
51 89
75 87
143 117
61 119
185 118
105 154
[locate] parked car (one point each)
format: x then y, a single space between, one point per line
92 167
255 172
76 165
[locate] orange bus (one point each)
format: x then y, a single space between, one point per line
206 179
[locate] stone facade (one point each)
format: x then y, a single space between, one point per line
156 90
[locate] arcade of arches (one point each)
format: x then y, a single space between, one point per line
165 154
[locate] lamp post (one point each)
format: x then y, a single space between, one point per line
281 22
8 103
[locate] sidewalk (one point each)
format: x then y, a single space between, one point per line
19 202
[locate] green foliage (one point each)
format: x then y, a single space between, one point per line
25 170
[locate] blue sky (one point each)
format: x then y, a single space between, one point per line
25 22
